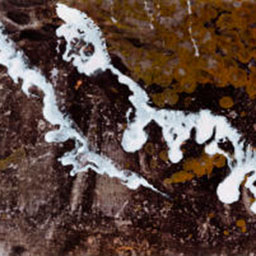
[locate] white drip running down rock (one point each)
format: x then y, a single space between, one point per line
81 158
176 125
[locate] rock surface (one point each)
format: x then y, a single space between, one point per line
45 211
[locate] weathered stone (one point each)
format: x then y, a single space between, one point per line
44 211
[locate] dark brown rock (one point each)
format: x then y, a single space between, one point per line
44 211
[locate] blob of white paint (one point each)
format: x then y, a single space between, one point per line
78 26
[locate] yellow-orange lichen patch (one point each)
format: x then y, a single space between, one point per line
158 99
180 177
242 225
163 155
226 232
171 97
219 160
197 167
78 84
226 102
238 77
252 200
168 96
200 166
149 148
224 32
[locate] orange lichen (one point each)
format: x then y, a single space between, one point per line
168 96
180 177
200 167
226 232
211 215
242 225
226 102
149 148
163 155
153 163
78 84
252 200
219 160
197 167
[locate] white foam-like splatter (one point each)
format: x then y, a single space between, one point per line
81 158
176 125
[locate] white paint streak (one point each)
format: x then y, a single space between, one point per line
176 125
79 26
197 54
149 12
189 7
117 215
81 158
113 19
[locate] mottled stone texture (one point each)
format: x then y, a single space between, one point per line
44 211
